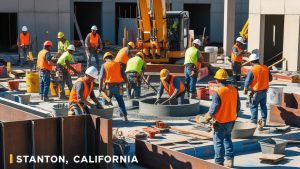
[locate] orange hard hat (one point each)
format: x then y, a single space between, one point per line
48 43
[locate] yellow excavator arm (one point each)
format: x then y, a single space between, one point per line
244 32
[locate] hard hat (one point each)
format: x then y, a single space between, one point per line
92 71
106 54
253 57
94 27
48 43
240 39
197 41
24 29
131 44
140 54
71 47
164 74
60 35
221 74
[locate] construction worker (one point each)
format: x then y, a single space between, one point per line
134 71
63 64
236 60
24 44
191 58
93 44
45 65
62 44
172 85
222 115
125 54
112 77
83 87
258 80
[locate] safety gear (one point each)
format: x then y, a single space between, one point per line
207 117
60 35
135 64
63 46
113 72
221 74
171 88
191 56
240 39
122 56
24 29
260 79
48 43
227 111
253 57
42 63
94 28
71 47
197 41
66 56
86 91
164 74
94 40
92 71
131 44
141 54
106 54
24 39
236 58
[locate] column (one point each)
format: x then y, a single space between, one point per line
229 24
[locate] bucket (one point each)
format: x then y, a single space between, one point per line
33 82
212 87
24 98
202 93
60 109
13 85
274 95
272 146
54 89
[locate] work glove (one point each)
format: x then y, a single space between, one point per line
245 91
207 117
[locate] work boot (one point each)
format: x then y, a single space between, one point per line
125 119
46 98
192 96
42 97
228 163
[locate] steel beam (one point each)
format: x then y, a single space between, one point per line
285 115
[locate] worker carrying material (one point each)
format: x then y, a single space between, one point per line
93 45
172 85
134 71
45 65
223 111
62 45
83 87
63 64
125 54
111 81
192 55
258 79
24 45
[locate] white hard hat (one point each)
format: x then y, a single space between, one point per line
71 47
92 71
240 39
253 57
24 29
94 27
197 41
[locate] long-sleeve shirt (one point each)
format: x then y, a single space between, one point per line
216 102
176 84
79 87
88 45
250 77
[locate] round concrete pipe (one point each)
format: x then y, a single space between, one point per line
189 108
242 130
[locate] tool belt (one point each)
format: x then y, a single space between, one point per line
193 68
110 85
135 77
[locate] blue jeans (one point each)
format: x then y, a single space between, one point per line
23 55
89 59
114 90
222 142
65 80
44 82
259 98
180 98
190 81
134 80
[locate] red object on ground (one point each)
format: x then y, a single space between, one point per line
13 85
202 93
151 131
161 124
77 67
212 87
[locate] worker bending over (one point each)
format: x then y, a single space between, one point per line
24 44
172 85
192 55
125 54
45 65
134 71
63 64
111 81
93 46
222 115
83 87
236 60
62 45
258 80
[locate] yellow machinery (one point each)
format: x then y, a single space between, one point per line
244 32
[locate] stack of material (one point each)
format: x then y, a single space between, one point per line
220 59
292 77
213 52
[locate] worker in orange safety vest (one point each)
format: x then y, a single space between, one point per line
93 45
24 44
125 54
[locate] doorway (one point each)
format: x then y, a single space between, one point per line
9 32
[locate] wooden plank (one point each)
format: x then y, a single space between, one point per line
190 130
159 142
271 157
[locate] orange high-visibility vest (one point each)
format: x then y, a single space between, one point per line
24 39
42 63
94 40
113 72
236 58
86 91
171 88
260 78
227 111
122 56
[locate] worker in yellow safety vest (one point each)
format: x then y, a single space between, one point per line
93 45
62 44
24 44
125 54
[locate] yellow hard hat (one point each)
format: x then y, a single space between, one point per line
60 35
164 74
107 54
131 44
221 74
140 54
